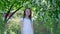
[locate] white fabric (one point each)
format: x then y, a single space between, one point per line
27 26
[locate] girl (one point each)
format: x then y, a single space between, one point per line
26 22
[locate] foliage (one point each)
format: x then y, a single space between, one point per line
46 15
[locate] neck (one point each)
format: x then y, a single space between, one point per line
26 17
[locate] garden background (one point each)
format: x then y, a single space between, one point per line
45 14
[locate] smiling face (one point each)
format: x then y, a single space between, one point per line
27 12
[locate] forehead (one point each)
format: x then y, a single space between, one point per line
28 9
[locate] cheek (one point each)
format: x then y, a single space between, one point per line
27 13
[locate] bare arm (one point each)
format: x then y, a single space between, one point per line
33 27
21 25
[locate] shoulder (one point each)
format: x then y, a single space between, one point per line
21 19
32 19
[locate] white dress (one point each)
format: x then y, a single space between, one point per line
27 26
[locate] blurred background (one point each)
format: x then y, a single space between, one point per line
45 14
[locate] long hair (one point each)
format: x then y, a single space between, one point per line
25 13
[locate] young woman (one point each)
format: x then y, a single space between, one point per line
26 22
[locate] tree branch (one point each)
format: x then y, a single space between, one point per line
8 11
13 13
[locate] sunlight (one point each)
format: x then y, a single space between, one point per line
43 1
